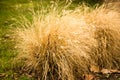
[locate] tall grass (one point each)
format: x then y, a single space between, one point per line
106 21
64 45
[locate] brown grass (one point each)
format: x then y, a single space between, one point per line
106 22
64 47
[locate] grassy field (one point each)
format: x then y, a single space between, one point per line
9 11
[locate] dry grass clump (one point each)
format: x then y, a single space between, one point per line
55 48
106 21
64 46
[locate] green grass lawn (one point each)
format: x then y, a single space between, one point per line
9 9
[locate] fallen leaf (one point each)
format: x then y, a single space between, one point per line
2 74
89 77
